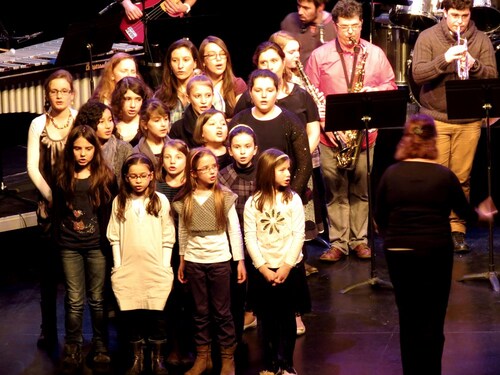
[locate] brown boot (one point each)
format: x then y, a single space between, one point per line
227 356
203 361
157 357
137 366
72 360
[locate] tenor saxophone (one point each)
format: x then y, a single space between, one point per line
348 155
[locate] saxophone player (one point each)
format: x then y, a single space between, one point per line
347 64
435 60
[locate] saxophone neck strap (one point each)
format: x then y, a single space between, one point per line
344 67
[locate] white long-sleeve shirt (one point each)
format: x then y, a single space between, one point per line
276 235
33 154
142 275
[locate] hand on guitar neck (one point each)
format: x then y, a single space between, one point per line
132 25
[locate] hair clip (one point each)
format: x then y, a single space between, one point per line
417 130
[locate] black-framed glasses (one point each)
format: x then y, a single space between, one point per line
136 177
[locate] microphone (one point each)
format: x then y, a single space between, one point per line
108 7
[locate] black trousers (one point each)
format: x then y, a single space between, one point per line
422 281
210 286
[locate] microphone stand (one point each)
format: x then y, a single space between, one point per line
91 68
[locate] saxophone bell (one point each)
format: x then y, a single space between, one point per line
348 154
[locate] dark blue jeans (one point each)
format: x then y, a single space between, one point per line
84 274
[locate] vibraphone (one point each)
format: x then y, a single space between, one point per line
23 72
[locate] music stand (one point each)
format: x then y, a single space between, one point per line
362 111
477 98
84 40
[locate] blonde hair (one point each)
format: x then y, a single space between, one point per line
107 84
281 38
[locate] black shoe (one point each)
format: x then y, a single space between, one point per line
460 246
47 341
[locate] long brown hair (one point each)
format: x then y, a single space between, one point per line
266 46
265 190
186 193
167 91
102 177
228 76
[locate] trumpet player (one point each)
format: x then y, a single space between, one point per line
437 58
347 64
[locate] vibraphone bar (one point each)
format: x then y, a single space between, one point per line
23 72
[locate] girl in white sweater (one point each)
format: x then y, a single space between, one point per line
142 233
274 235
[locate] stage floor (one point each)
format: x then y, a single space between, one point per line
355 333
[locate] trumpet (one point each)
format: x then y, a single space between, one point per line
462 69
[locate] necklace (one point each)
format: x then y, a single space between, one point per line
68 121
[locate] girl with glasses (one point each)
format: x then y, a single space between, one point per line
47 136
142 233
217 65
209 239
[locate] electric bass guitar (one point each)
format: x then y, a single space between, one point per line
134 30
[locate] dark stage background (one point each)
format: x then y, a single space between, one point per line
242 30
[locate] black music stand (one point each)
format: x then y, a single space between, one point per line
477 98
362 111
85 40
